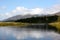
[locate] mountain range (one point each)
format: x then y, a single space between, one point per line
18 17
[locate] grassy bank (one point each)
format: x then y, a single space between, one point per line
19 24
13 24
56 24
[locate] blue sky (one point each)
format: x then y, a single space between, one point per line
7 6
11 4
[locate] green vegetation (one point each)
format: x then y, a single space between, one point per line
56 24
13 24
50 20
42 19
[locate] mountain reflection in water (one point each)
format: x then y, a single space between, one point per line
9 33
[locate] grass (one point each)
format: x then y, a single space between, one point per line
13 24
56 24
20 24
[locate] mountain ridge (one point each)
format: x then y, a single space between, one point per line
18 17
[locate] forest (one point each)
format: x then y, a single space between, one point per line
43 19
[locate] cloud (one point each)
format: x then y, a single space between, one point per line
54 9
5 15
23 11
40 11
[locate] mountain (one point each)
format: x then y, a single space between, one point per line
13 18
42 19
18 17
58 13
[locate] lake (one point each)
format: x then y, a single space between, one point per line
13 33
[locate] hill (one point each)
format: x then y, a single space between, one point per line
57 22
18 17
53 20
39 19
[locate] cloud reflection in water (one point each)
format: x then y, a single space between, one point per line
27 34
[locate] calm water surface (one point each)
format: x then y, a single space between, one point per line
9 33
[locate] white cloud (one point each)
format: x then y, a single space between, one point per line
5 16
54 9
13 11
23 11
37 11
28 11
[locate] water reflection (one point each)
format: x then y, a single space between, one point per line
9 33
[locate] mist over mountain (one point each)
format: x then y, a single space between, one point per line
18 17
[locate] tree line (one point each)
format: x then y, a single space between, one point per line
39 19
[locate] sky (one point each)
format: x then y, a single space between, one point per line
9 8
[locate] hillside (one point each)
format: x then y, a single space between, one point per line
53 20
18 17
39 19
57 22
